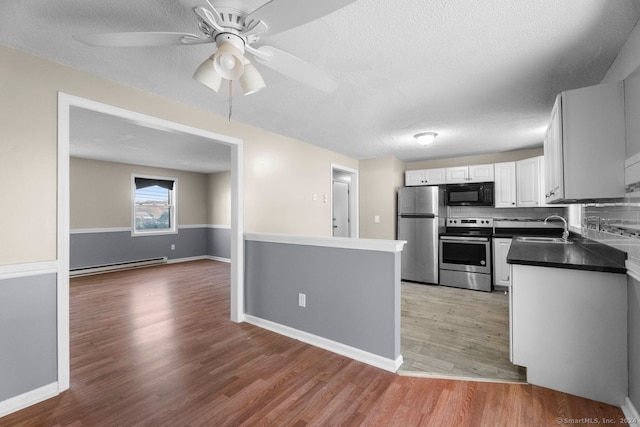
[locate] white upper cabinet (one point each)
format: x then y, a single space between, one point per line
528 182
505 185
424 177
474 173
481 173
517 184
458 174
435 176
584 146
412 178
454 175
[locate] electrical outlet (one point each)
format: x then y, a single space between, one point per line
376 219
314 197
173 247
302 300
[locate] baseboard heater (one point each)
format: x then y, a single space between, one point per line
127 265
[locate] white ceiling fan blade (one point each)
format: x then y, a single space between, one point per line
282 15
140 39
294 68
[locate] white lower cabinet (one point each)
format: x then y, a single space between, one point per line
569 329
501 269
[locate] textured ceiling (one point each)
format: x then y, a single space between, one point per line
108 138
483 74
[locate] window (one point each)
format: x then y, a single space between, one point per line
154 205
575 218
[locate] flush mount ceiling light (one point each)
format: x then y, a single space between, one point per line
425 138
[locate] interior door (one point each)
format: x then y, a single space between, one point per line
340 209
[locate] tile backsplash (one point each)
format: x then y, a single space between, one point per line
616 224
509 213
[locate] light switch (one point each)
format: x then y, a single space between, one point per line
376 219
302 300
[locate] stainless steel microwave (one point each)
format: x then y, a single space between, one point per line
470 194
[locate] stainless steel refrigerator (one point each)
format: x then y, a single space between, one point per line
421 215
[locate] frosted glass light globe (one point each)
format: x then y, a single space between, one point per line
227 61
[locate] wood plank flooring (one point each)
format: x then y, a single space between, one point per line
456 332
155 347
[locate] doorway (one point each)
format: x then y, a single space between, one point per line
341 211
65 104
344 201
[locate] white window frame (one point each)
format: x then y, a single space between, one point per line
173 210
574 218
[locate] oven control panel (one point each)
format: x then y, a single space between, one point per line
470 222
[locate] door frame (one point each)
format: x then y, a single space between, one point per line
354 218
65 102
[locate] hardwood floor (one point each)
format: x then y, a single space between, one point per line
155 347
457 333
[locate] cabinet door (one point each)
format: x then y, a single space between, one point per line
502 271
505 185
553 155
481 173
412 178
527 182
435 176
458 174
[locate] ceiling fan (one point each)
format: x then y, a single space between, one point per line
234 32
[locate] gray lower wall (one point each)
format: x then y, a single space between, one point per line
633 296
219 242
353 296
93 249
29 358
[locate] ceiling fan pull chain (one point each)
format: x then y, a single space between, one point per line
230 98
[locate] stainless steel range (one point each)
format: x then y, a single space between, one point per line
465 253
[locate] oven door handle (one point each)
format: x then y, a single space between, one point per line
465 238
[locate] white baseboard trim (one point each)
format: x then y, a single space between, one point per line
217 258
186 259
197 258
29 398
629 410
387 364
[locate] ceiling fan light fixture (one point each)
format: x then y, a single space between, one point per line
425 138
251 81
207 75
228 61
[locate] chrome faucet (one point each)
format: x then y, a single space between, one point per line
565 233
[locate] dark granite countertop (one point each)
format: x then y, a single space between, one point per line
501 233
583 254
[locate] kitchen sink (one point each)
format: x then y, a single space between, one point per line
536 239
